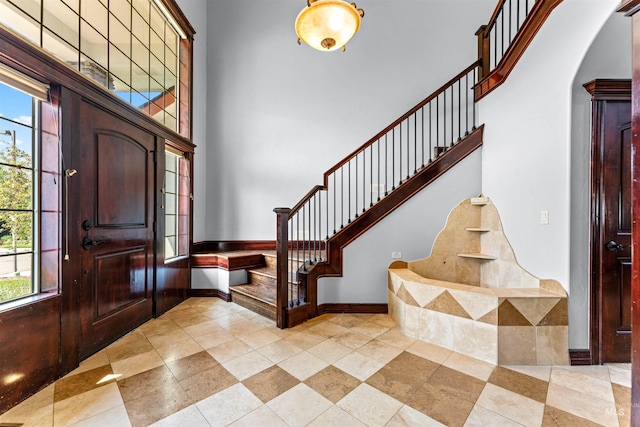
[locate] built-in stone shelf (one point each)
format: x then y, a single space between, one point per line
471 296
478 256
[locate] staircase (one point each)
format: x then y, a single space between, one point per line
259 293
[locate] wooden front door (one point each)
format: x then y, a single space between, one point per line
611 229
114 225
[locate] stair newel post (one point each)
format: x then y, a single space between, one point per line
483 52
282 265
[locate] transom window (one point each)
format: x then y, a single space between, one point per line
131 47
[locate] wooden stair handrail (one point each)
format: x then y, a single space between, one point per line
491 79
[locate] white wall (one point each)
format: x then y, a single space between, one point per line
411 230
526 154
609 56
279 114
196 12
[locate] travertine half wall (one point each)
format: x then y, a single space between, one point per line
471 296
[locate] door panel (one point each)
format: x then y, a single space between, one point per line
616 219
114 226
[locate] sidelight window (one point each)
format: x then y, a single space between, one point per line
177 187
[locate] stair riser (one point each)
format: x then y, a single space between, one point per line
254 305
259 279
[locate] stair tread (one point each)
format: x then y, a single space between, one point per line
265 294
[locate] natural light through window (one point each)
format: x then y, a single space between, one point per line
17 193
126 46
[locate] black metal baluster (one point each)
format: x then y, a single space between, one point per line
290 264
386 165
518 14
316 210
473 104
415 143
356 198
430 133
378 199
335 190
408 149
393 158
466 105
309 234
364 179
451 115
437 125
444 120
349 194
342 196
370 175
510 21
298 234
459 110
502 31
422 130
400 156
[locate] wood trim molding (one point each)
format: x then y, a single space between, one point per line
353 308
227 262
233 245
215 293
580 357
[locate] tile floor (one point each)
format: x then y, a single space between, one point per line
211 363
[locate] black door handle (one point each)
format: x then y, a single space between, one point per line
613 246
87 243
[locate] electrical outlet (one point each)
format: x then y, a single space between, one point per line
396 255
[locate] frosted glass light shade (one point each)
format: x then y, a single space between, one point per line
328 24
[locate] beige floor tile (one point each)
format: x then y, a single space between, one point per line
396 338
305 339
86 405
409 417
540 372
348 320
189 416
214 338
332 383
379 351
303 365
162 324
229 350
94 361
583 383
179 350
259 338
263 417
270 383
247 365
352 340
513 406
582 405
279 350
335 416
137 364
481 417
200 329
470 366
169 338
359 365
229 405
128 348
329 351
620 375
370 406
600 372
29 415
288 406
117 416
327 329
370 329
429 351
383 320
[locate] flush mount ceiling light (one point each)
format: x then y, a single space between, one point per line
328 24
